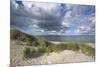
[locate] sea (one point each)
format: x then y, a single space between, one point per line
69 38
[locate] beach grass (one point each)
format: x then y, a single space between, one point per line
26 52
44 46
88 50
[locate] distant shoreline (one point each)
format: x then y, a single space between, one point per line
58 42
69 38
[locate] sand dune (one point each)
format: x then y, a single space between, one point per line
66 56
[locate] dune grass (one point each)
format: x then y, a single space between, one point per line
88 50
26 52
44 46
48 47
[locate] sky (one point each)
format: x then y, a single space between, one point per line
41 18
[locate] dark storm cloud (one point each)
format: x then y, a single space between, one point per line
16 21
50 25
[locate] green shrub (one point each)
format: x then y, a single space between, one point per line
26 52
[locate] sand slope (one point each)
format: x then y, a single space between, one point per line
66 56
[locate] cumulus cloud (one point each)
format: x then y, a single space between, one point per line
53 17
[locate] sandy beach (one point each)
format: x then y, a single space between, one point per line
66 56
90 44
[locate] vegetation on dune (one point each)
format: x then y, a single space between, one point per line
32 52
42 43
72 46
41 50
43 46
63 46
18 35
26 52
88 50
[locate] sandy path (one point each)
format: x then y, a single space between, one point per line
65 56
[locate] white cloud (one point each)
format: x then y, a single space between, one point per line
48 17
53 31
42 30
35 26
45 7
65 24
28 4
68 14
87 28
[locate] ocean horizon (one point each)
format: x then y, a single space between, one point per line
69 38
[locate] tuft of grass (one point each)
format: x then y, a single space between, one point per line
41 50
42 43
50 48
33 50
63 46
88 50
21 36
26 52
72 46
35 43
59 48
44 46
